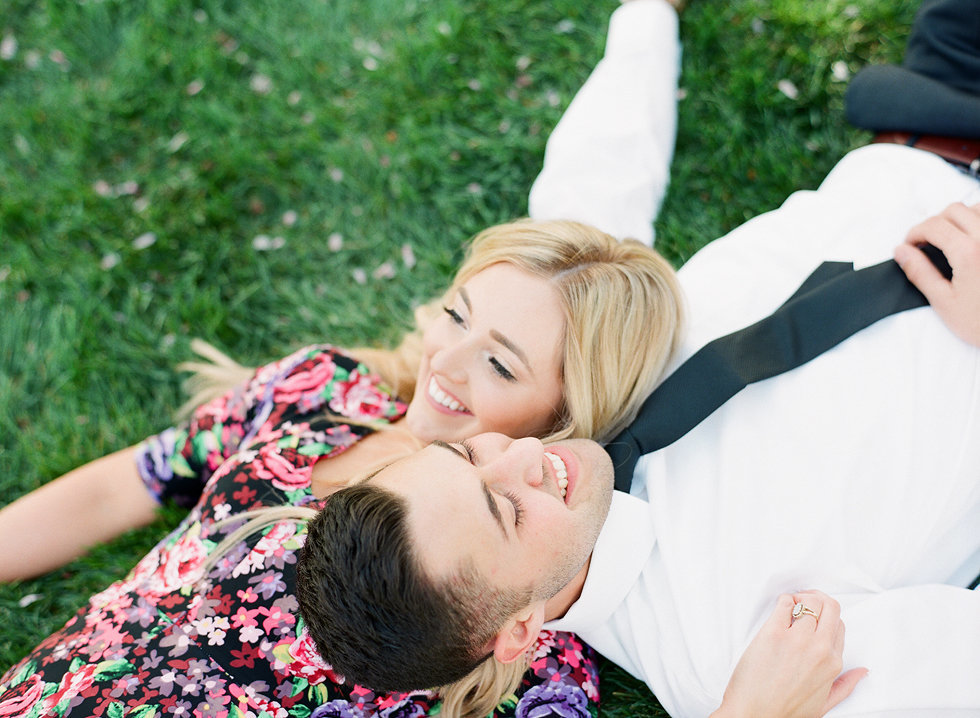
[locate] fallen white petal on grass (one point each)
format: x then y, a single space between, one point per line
102 188
124 189
336 174
8 47
200 16
289 218
523 62
360 276
260 84
194 87
840 71
29 599
788 89
265 243
109 261
564 27
443 28
370 63
177 141
408 256
384 271
293 98
145 240
335 242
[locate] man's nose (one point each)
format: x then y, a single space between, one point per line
521 462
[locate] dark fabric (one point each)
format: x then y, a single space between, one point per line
945 43
832 304
936 90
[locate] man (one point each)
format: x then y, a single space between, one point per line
855 474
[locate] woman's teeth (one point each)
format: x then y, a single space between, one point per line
560 471
443 398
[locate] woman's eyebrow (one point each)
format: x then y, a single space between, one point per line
497 336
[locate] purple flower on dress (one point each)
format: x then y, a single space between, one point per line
338 709
268 584
406 708
565 700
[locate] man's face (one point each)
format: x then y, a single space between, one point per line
499 503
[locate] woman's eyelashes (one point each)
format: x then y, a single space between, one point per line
454 315
501 370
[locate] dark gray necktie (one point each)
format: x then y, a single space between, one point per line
831 305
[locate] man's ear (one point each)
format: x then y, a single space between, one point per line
518 633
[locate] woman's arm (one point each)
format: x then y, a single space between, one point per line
792 668
60 520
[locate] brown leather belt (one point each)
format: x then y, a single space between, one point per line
962 153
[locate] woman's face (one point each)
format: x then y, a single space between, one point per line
492 360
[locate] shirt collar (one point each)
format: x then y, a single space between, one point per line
620 553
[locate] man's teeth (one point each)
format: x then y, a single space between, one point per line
560 471
443 398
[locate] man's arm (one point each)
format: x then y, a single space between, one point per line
792 668
59 521
956 232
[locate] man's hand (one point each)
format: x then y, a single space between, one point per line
956 232
792 668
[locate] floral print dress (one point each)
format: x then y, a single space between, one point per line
170 641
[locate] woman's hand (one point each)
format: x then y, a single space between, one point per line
956 232
792 668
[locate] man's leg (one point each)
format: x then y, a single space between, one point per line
945 43
936 90
607 161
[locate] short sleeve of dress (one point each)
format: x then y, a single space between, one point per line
176 464
562 680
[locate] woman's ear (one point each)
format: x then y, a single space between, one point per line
519 633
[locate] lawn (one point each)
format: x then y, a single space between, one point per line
264 175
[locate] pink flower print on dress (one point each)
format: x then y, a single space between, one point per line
300 658
359 398
22 696
304 387
71 685
271 465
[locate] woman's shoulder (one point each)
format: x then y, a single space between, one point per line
323 374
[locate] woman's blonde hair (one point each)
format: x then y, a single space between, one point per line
623 310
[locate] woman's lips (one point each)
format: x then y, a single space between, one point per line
443 401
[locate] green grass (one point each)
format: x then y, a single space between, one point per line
388 124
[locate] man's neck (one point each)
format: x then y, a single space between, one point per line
558 605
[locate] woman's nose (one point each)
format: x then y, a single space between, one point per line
449 360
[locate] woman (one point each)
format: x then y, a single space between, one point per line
525 328
168 640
